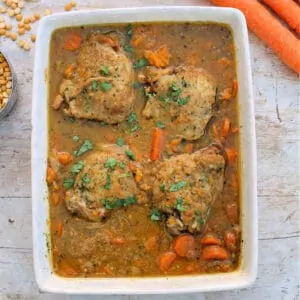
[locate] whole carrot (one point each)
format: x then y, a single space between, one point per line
269 29
158 140
288 10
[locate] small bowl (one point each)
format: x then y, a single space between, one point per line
12 99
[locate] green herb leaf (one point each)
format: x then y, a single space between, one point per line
160 124
110 163
129 201
183 101
128 174
77 167
155 214
137 85
141 63
162 187
108 181
94 85
68 183
132 118
122 165
199 217
75 138
71 119
120 142
128 48
179 205
177 186
105 70
130 154
129 31
86 146
135 128
105 86
85 179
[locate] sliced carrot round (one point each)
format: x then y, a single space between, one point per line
214 253
166 260
184 246
210 239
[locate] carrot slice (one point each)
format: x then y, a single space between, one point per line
230 240
64 157
225 128
118 240
51 175
234 87
55 198
214 253
288 10
67 270
283 42
188 148
166 260
231 154
209 239
184 246
68 72
159 59
72 42
157 145
58 227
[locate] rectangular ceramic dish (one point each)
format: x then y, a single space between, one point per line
245 275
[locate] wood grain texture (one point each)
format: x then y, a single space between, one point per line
277 98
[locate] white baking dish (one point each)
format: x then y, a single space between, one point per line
246 274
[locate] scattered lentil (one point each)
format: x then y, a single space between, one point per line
19 17
21 31
37 16
5 81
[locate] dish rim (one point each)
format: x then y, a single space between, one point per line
50 282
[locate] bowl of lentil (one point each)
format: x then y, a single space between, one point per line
8 89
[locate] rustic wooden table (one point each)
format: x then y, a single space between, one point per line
276 94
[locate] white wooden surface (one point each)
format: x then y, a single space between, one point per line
277 97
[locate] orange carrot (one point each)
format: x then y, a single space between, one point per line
151 243
57 102
174 143
69 71
72 42
288 10
184 246
51 175
230 240
214 252
67 270
231 154
269 29
234 88
55 198
160 58
225 128
105 39
190 268
188 148
226 94
158 140
209 239
166 260
110 137
58 227
64 157
119 240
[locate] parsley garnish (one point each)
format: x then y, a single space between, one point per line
179 205
162 187
174 94
94 85
105 70
141 63
155 214
77 167
110 163
120 142
130 154
199 217
105 86
160 124
68 183
85 179
177 186
131 118
129 31
108 181
128 174
135 127
75 138
118 203
137 85
86 146
122 165
129 201
128 48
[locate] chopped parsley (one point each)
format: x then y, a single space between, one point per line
85 179
108 182
160 124
130 154
75 138
179 205
137 85
199 217
120 142
129 30
128 48
77 167
135 128
128 174
94 85
132 118
177 186
141 63
105 86
174 94
105 71
155 214
68 183
110 163
86 146
122 165
118 203
149 94
162 187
